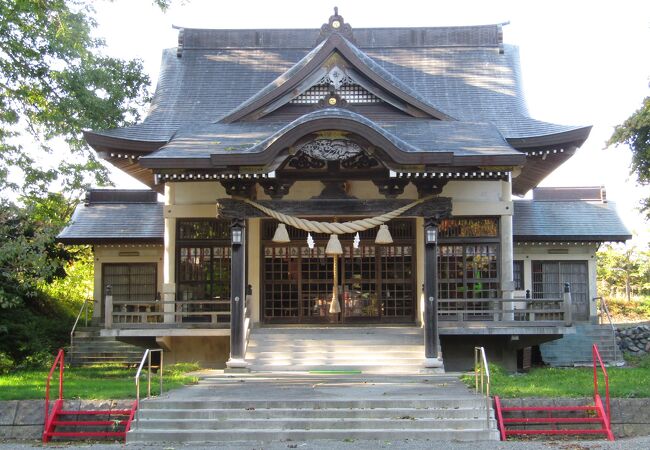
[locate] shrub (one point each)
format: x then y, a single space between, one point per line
6 363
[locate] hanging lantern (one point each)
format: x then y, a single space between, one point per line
383 235
334 246
310 241
281 235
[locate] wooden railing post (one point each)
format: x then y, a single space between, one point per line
566 297
108 307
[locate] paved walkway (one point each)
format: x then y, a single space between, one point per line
639 443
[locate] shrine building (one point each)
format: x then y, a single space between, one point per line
342 177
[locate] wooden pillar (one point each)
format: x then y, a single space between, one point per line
237 295
431 338
507 256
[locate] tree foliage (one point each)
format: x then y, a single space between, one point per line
623 270
54 83
29 255
635 132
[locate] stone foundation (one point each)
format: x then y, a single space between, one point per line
634 341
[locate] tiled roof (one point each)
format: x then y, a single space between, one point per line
568 221
422 135
458 70
114 222
540 221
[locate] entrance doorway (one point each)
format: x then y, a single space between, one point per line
376 282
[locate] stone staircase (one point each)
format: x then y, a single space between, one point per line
90 348
365 349
575 349
290 406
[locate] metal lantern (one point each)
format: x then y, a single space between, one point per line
431 235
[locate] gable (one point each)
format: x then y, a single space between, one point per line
333 72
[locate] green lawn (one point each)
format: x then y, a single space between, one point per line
627 382
91 383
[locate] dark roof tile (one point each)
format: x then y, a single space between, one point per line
567 221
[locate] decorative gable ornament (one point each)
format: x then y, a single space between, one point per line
330 149
335 24
336 77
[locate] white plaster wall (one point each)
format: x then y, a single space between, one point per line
461 190
123 254
192 193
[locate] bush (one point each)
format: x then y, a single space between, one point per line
31 334
635 309
6 363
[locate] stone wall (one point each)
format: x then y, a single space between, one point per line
634 340
630 416
23 419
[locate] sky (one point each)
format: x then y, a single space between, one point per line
583 62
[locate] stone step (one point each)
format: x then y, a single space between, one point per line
324 423
162 435
440 403
375 349
301 413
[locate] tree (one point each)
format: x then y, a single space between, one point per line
635 132
54 83
624 269
28 253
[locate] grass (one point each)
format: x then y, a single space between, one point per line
104 382
624 382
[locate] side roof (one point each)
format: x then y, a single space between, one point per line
548 221
533 221
116 216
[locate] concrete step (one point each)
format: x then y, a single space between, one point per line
165 435
387 349
442 403
322 423
89 348
280 406
577 348
301 413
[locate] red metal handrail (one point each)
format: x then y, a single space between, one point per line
598 359
50 417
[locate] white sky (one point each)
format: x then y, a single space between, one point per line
583 62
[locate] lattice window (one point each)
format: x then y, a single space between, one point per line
130 283
518 275
352 93
280 295
397 280
203 269
549 278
